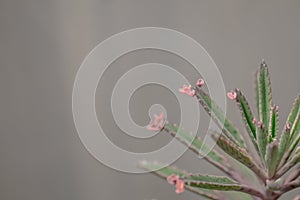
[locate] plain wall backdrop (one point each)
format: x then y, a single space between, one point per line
42 44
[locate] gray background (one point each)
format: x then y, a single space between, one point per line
42 44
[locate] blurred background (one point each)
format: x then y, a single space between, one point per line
42 45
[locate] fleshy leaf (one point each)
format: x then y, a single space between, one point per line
284 139
219 117
196 146
239 154
164 172
265 94
271 158
295 125
294 113
212 182
257 95
247 117
291 163
246 113
273 124
262 139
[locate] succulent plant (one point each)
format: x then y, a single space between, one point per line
273 158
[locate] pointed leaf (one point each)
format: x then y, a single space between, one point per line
291 163
284 139
294 113
239 154
262 139
265 94
273 123
295 126
164 172
196 144
257 95
271 158
233 150
246 112
247 117
219 117
212 182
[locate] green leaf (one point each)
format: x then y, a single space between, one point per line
291 163
247 117
212 182
294 120
262 139
284 139
293 139
219 117
294 113
265 94
271 158
194 143
292 147
257 95
164 172
240 154
246 113
234 151
273 123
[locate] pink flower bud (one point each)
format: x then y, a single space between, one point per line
259 124
179 186
288 126
158 123
200 83
187 90
172 179
232 95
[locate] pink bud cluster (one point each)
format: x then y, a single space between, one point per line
188 90
158 123
179 183
232 95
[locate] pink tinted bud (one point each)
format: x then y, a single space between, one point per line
288 126
172 179
259 124
254 121
179 186
200 83
158 123
188 90
232 95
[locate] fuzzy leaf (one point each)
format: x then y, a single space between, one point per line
196 143
246 113
239 154
294 113
271 158
293 140
295 127
212 182
167 171
233 150
247 117
292 147
273 123
257 93
291 163
262 139
265 94
219 117
284 139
